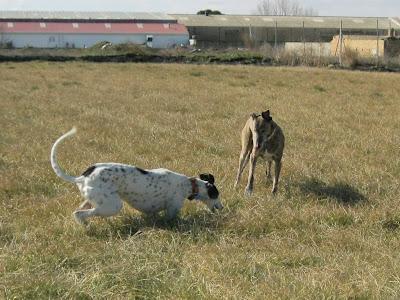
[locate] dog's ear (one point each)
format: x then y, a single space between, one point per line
213 192
211 178
207 177
266 116
253 115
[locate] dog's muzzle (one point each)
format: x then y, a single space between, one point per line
213 204
217 206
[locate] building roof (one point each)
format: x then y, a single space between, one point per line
283 21
395 21
361 37
89 16
94 28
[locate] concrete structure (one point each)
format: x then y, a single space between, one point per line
67 29
367 46
243 31
314 49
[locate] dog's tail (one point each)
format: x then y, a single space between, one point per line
56 167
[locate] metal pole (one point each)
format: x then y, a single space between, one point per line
276 34
251 36
1 36
340 42
219 36
304 41
377 41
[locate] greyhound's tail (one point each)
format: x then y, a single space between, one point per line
56 167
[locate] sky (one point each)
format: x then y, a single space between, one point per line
367 8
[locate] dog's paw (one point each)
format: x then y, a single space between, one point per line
248 192
78 218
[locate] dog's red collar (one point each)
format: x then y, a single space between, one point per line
195 188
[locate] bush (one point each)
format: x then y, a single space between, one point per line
350 58
7 45
130 48
99 45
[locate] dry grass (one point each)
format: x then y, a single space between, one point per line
333 230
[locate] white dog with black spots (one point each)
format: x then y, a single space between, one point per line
105 185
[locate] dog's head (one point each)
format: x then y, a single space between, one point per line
208 192
262 127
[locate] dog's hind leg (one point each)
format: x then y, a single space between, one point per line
85 205
81 215
106 205
278 166
247 145
243 160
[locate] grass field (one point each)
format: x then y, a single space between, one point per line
332 231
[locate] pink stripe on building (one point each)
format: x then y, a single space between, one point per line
95 28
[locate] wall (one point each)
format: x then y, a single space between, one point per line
257 36
317 49
87 40
392 47
365 47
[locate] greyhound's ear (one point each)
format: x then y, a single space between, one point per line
253 115
266 116
207 177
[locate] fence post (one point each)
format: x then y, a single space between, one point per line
377 41
304 42
340 42
250 36
219 37
2 37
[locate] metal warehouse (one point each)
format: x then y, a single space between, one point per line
84 29
238 31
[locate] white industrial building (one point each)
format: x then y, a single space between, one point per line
252 30
84 29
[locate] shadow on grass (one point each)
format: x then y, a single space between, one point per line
196 224
341 192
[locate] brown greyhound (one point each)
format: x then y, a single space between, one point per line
261 137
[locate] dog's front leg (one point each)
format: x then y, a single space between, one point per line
250 180
173 210
268 172
278 166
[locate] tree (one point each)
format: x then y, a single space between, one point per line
284 8
208 12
